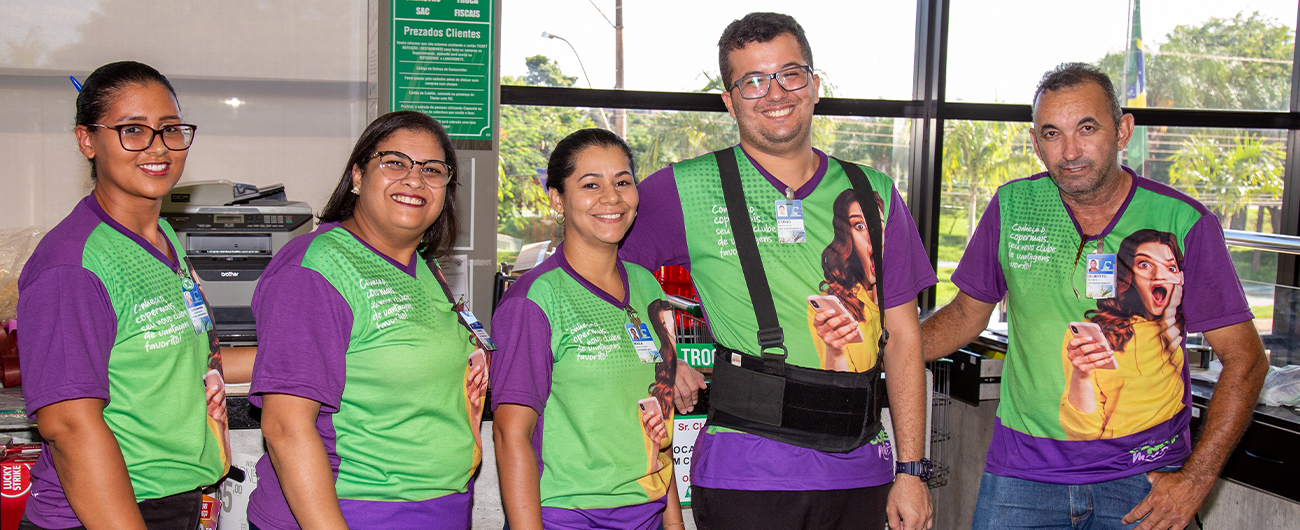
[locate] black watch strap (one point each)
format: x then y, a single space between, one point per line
922 469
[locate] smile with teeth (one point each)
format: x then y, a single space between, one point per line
778 113
155 168
610 216
407 199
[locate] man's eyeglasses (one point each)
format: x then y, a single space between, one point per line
757 86
138 137
396 165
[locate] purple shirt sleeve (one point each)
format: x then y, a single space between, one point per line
1212 294
908 271
303 329
68 331
979 274
658 237
521 369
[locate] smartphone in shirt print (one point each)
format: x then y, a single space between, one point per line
1091 330
821 303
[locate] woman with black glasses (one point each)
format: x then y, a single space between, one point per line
116 374
371 386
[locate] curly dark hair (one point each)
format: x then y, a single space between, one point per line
843 270
440 236
758 27
665 372
1114 314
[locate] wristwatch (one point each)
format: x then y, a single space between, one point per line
922 469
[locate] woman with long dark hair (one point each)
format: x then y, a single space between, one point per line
369 391
581 387
1127 388
117 350
851 279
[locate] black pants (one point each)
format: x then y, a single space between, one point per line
861 508
175 512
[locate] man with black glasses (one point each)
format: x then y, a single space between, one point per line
1093 420
794 299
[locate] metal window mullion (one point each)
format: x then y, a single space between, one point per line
929 79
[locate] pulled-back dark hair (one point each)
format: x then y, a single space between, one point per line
440 236
758 27
564 159
101 89
1070 75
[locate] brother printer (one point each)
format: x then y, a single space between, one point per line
230 232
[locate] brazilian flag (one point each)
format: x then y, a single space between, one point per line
1135 94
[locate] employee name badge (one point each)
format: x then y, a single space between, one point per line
789 221
1101 276
194 305
477 327
644 343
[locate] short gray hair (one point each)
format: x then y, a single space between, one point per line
1070 75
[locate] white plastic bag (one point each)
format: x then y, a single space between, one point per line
1281 387
16 245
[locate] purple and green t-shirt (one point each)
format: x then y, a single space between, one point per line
378 345
567 352
682 220
1173 276
106 320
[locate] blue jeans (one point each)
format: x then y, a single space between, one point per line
1006 502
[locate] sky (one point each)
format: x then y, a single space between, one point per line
997 49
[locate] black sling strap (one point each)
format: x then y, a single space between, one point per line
770 334
875 229
825 410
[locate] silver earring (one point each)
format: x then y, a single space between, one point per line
356 190
559 218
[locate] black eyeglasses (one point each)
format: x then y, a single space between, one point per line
396 165
138 137
757 86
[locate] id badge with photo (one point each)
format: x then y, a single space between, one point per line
477 327
1101 276
644 343
789 221
195 306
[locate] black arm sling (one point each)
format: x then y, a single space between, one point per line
825 410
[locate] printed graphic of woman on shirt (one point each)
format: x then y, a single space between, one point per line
846 343
1137 383
656 423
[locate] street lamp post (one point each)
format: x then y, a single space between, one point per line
548 35
620 115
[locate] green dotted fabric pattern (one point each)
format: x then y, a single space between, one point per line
403 428
592 409
156 405
794 270
1037 250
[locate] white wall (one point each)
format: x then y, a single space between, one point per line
297 68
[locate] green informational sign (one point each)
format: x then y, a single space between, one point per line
696 355
441 63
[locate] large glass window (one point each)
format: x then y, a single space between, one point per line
1199 54
658 138
978 157
1236 173
861 49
